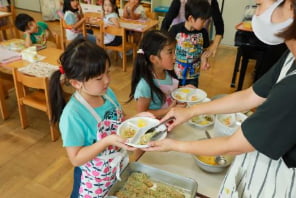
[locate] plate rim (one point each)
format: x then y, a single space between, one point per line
187 101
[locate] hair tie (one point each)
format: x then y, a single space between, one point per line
61 69
140 51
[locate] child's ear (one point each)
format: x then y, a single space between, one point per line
75 83
153 59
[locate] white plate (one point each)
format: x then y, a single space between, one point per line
189 95
201 122
140 125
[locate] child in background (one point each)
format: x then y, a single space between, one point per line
153 77
74 20
34 32
134 10
111 18
192 39
89 120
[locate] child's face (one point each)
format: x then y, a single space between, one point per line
108 8
167 57
32 27
197 24
97 86
74 4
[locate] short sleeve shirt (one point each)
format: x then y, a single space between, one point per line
78 126
271 128
140 10
40 36
189 48
143 90
71 18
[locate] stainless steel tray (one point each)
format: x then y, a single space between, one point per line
185 184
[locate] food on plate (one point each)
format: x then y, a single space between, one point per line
146 138
128 132
180 97
226 120
185 90
194 98
141 123
202 120
211 160
139 185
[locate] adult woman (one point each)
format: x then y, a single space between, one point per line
267 139
176 14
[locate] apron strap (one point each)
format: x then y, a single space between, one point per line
84 103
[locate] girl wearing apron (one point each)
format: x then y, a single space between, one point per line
99 174
89 119
153 78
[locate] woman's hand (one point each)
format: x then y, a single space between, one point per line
162 145
180 114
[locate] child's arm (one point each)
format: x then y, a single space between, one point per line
126 11
143 105
115 22
28 41
81 154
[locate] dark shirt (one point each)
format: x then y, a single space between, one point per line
174 11
270 130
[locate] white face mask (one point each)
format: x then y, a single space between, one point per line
267 31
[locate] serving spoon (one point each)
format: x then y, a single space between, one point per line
219 159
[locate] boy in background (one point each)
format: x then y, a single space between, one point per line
192 40
34 32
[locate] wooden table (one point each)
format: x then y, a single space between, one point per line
184 164
51 56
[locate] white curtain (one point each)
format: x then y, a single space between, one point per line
49 9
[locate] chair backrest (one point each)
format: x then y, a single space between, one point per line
63 26
23 81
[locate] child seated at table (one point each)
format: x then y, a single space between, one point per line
74 20
34 32
111 18
134 10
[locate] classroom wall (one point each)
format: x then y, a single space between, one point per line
232 15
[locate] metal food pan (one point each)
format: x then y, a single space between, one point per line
184 184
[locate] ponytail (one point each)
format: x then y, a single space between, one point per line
56 96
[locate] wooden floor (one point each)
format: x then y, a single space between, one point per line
31 166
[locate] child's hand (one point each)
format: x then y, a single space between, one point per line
204 65
190 86
182 105
118 141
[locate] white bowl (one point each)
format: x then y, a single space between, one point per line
189 95
140 125
202 121
227 124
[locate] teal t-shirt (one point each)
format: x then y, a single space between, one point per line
143 90
78 126
40 36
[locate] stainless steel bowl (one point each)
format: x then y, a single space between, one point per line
213 168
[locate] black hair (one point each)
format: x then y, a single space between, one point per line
290 32
114 6
22 21
198 9
67 6
82 60
152 43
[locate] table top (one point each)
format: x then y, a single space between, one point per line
51 56
184 164
5 14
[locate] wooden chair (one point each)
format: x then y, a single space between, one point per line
123 48
63 40
6 83
10 26
33 91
